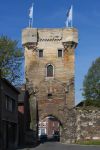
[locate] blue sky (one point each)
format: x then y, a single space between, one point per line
52 13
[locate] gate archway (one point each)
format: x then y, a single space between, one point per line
51 127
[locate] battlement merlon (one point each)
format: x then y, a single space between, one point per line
65 35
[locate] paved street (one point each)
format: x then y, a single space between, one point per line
58 146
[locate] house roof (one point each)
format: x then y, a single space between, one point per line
12 86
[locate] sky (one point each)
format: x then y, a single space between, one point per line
14 16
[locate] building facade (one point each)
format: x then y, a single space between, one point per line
21 116
49 68
48 126
8 115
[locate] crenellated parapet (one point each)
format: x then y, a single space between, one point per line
31 37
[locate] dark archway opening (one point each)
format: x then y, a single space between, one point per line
49 129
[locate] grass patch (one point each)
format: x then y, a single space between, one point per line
90 142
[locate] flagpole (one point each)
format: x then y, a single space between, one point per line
29 23
67 23
73 2
32 15
72 17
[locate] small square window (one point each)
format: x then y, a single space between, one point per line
49 95
59 52
41 53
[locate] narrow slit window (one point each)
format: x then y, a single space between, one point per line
41 53
59 52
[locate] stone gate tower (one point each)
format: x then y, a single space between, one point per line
49 70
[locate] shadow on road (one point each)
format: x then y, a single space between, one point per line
28 146
42 140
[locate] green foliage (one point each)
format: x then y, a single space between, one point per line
95 103
89 142
91 84
10 59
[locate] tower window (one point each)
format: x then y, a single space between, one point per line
41 53
49 95
49 71
59 52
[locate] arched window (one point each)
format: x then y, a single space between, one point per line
50 71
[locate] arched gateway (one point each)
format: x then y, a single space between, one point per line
49 68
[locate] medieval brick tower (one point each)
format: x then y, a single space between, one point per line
49 70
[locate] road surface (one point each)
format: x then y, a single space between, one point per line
59 146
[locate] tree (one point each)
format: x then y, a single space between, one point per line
10 59
91 84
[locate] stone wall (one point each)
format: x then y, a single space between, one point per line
68 134
88 123
81 124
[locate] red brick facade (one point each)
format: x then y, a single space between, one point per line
48 126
